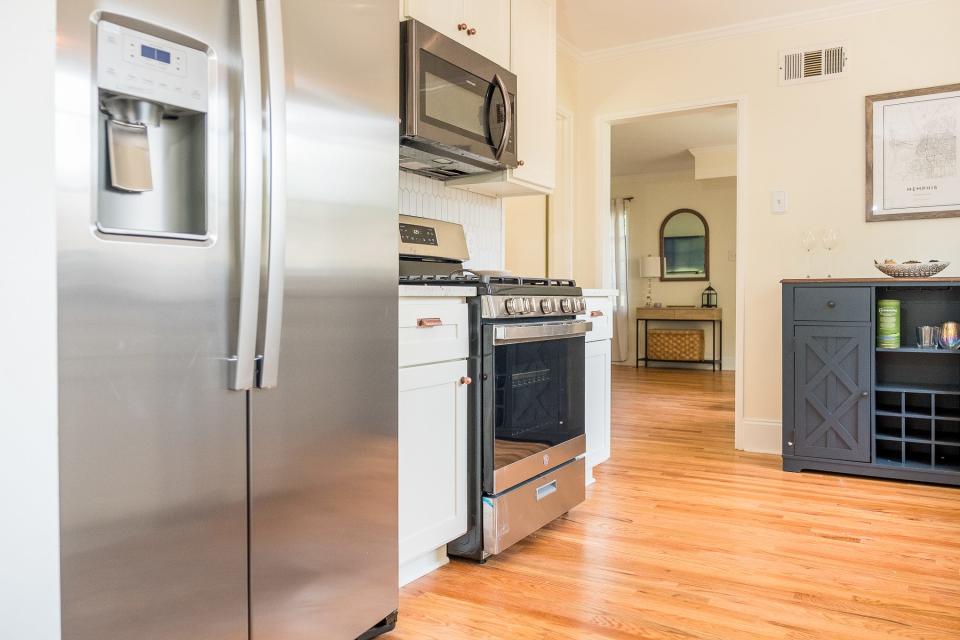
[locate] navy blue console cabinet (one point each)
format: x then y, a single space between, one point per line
850 407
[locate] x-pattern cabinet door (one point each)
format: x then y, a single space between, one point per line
832 392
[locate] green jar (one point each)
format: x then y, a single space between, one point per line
888 324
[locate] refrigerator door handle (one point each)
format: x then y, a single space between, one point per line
275 104
251 198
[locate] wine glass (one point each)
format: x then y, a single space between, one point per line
830 239
809 242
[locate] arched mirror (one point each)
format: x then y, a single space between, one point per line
685 246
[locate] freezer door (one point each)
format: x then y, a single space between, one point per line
153 455
323 448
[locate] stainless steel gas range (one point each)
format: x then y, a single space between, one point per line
526 427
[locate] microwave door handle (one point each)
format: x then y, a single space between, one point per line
508 115
251 199
275 103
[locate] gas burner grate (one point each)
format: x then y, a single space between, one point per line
538 282
464 278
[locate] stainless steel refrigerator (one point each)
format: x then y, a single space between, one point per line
227 186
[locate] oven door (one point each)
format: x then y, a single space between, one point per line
533 399
458 99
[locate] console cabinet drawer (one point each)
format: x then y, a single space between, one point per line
832 304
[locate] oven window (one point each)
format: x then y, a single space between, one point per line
538 397
454 99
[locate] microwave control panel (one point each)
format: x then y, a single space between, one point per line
143 66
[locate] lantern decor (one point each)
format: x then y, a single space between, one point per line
708 300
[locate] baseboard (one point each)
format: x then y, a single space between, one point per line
423 564
728 365
759 436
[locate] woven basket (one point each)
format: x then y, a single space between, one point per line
685 345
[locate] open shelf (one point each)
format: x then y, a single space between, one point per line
953 389
946 352
917 427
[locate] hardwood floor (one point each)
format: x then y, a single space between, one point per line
683 537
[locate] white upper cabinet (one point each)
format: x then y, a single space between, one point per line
533 58
520 35
488 29
482 25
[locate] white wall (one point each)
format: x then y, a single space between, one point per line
481 216
805 139
525 230
655 195
29 530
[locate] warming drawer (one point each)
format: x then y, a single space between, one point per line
515 514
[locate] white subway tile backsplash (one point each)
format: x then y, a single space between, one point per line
481 216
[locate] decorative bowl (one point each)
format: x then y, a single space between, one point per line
911 269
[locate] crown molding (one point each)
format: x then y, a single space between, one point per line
570 49
859 7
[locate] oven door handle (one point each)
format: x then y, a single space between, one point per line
514 333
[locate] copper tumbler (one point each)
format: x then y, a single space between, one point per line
950 335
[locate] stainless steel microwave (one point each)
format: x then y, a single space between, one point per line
458 110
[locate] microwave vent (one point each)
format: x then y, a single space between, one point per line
812 63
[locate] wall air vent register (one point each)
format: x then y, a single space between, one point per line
810 64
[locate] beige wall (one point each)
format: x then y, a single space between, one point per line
525 235
806 139
655 195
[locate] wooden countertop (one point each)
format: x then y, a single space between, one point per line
879 280
679 313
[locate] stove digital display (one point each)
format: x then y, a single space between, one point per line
417 234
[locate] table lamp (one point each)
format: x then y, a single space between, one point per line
650 268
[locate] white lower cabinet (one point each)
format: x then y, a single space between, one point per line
597 404
432 464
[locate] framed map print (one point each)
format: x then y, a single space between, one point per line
913 154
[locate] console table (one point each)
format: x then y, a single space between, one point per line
851 407
682 314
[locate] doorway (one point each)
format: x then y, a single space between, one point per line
671 238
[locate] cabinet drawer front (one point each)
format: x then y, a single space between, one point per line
600 313
832 304
433 332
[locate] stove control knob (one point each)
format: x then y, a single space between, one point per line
547 305
566 305
513 306
579 305
529 306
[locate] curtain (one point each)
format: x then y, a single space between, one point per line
619 214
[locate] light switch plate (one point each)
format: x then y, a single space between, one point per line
778 202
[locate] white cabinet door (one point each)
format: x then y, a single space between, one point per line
534 60
597 404
485 24
432 457
440 15
488 31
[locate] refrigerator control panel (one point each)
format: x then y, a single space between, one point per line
144 66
